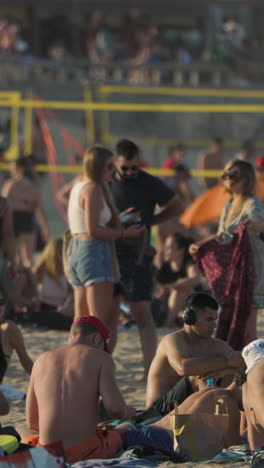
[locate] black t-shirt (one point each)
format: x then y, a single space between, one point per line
143 193
166 275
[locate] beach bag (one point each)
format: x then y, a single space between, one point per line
200 435
51 456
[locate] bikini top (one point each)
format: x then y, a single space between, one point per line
76 213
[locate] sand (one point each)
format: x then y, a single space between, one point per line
128 358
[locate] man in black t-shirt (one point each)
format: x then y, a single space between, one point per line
135 189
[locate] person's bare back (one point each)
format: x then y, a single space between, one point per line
66 383
72 373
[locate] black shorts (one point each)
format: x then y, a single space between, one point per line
23 222
178 393
136 280
118 290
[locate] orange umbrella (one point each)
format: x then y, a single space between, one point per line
205 208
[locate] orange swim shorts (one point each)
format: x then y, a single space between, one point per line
104 444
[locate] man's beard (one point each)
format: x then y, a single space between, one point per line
129 178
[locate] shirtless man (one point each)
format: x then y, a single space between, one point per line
191 351
160 433
213 159
64 391
253 393
25 201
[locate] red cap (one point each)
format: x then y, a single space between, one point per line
98 324
259 163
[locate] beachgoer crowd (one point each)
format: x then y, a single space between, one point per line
105 271
134 38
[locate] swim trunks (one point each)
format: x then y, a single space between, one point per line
178 393
104 444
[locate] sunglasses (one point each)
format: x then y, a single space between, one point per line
129 168
231 175
168 246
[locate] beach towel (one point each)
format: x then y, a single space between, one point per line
104 444
229 269
116 463
200 435
50 455
11 393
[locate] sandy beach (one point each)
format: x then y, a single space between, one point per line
129 363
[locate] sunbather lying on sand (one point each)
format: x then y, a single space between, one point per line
160 433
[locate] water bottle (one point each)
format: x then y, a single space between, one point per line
210 383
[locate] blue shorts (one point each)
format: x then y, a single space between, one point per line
91 262
136 280
150 435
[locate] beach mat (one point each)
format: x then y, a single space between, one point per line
115 463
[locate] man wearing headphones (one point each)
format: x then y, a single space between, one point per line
189 353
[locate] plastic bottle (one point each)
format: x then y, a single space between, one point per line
210 383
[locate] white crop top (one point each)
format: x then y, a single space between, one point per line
76 213
52 292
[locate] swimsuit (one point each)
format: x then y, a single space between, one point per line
104 444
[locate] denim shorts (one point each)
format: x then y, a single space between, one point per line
90 262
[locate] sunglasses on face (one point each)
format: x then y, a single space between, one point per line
129 168
231 175
168 246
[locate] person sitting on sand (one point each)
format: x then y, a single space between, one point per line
160 434
11 339
253 393
64 390
191 351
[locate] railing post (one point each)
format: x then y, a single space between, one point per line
178 77
156 75
194 78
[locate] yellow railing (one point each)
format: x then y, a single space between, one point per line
14 101
66 169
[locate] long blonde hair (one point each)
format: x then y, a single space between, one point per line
51 259
248 178
94 162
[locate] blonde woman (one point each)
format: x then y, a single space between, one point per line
54 289
94 223
240 181
50 276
